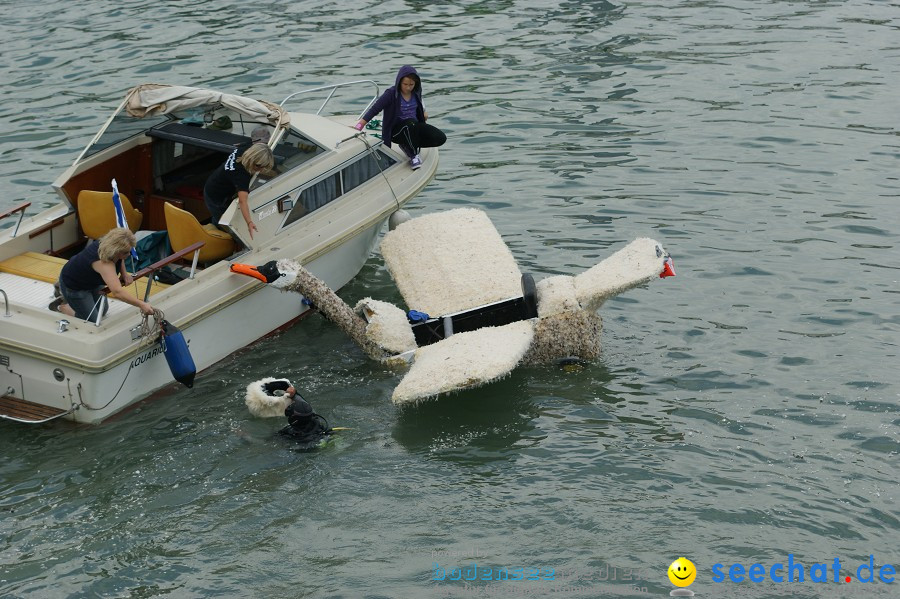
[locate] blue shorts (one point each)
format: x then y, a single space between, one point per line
83 301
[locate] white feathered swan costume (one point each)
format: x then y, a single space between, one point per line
454 261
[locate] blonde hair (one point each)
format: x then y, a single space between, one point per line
115 243
257 157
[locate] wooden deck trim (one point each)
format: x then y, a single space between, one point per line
20 410
44 228
20 208
34 265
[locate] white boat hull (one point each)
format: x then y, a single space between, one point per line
93 397
322 204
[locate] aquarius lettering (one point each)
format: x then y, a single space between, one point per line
147 356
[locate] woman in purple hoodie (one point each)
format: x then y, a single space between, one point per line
404 117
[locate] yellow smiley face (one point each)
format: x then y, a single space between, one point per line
682 572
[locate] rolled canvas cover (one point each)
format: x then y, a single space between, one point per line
151 98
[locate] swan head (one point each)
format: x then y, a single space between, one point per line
279 274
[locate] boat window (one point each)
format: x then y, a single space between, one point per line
293 150
314 197
121 128
365 168
204 137
362 170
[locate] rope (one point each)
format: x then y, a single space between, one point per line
372 151
148 334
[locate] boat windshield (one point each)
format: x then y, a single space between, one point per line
293 150
123 127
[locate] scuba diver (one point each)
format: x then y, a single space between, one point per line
304 425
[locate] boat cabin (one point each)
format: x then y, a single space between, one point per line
164 154
323 204
161 146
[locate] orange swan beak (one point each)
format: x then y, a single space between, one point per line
253 271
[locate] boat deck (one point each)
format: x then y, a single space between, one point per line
28 280
25 291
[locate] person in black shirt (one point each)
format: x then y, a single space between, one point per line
234 176
94 268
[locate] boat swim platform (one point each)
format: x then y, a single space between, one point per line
43 268
19 410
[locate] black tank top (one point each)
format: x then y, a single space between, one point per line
78 275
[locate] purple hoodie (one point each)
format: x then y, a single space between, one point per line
389 102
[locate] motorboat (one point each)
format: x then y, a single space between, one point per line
324 203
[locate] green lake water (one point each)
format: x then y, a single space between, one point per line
743 411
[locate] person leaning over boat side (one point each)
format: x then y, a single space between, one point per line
234 175
404 117
93 268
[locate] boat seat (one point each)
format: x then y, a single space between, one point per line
184 229
41 267
97 213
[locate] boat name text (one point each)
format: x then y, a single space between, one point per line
268 212
147 356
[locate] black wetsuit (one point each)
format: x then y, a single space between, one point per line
305 426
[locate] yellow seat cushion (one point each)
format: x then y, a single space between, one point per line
41 267
216 232
185 230
33 265
97 213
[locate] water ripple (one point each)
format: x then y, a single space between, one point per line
752 395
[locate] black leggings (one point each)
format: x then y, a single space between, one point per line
413 135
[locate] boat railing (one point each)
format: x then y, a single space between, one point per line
331 91
149 270
21 210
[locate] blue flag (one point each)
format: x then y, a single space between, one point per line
121 221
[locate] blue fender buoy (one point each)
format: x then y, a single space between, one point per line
178 355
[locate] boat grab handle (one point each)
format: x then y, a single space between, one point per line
6 301
20 208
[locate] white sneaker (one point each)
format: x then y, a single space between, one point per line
415 162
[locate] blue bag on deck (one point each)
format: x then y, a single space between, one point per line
152 248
